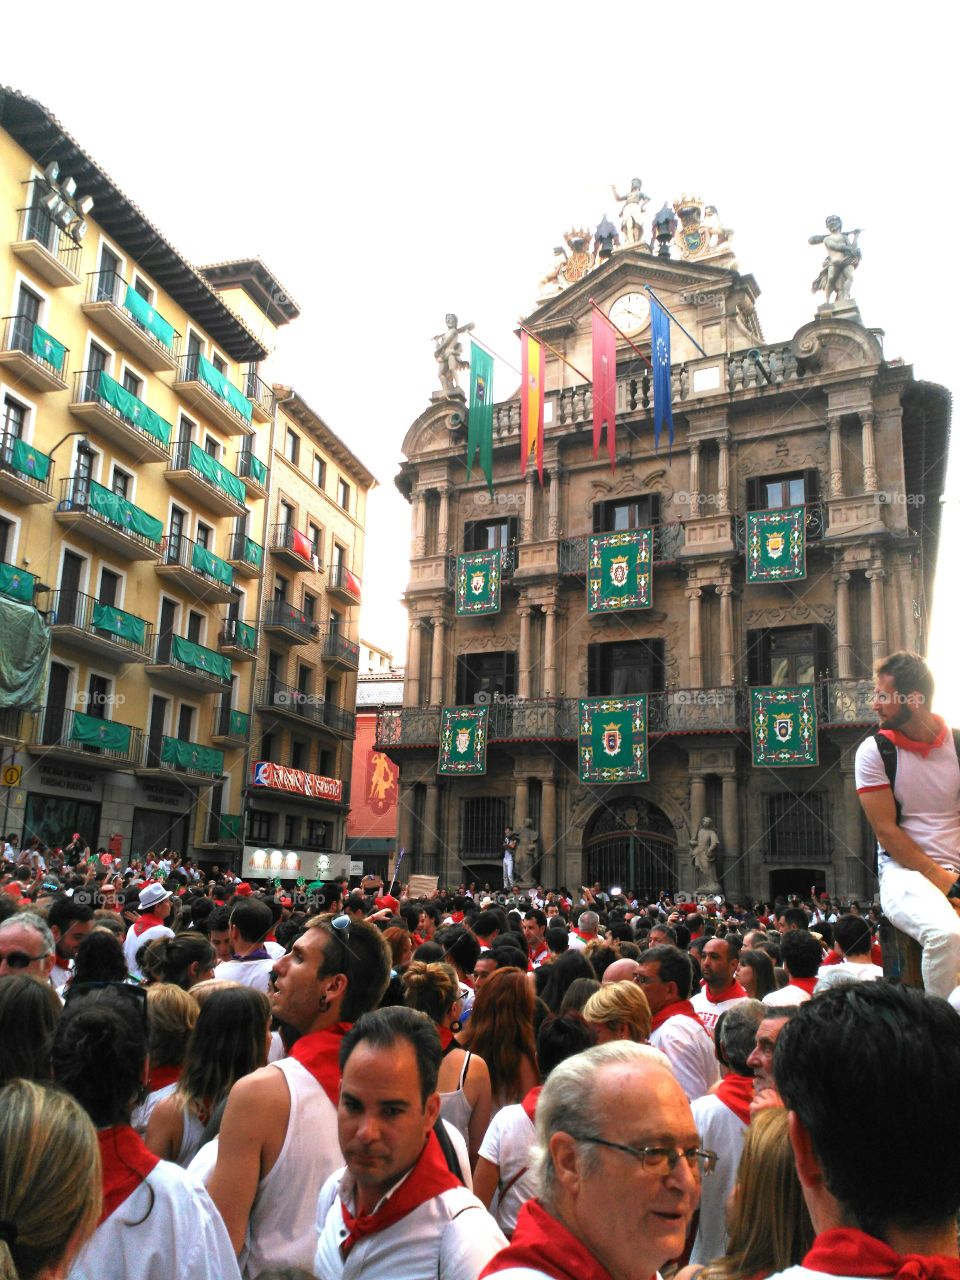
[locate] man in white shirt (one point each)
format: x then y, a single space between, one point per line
70 921
852 939
534 931
801 955
250 922
154 906
396 1210
666 975
720 990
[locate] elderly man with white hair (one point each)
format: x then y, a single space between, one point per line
611 1121
26 946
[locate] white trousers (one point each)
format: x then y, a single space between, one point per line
507 870
918 908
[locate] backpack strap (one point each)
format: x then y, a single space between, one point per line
956 743
888 754
449 1152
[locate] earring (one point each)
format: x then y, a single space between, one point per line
324 1004
456 1026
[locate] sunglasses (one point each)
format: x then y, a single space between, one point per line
21 959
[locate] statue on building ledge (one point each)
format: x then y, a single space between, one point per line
634 203
843 257
703 855
525 857
449 357
700 234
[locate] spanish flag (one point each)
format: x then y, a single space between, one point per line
531 402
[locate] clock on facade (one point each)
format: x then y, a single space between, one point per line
631 312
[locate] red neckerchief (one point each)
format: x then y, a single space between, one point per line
679 1008
586 937
736 1092
529 1103
145 922
533 958
125 1163
847 1252
456 917
542 1243
922 749
805 984
319 1052
446 1037
428 1179
160 1077
733 992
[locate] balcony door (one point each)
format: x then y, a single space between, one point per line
28 313
58 687
68 601
158 718
108 277
168 624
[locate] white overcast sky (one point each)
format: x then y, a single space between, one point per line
392 162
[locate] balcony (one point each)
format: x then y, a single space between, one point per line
231 728
720 710
205 479
259 395
181 664
282 619
223 831
44 246
73 735
338 649
292 547
196 570
210 392
110 410
238 640
82 622
104 517
508 565
33 356
11 719
254 473
574 552
25 472
408 727
17 583
847 702
133 322
814 523
276 697
245 555
192 761
343 584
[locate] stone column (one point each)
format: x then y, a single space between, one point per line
694 595
856 869
553 500
411 685
443 523
549 868
419 525
727 659
526 532
870 483
723 476
695 477
550 652
521 808
836 459
405 818
878 630
523 681
844 636
698 802
437 655
733 875
431 825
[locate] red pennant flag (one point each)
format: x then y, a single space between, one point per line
531 403
604 385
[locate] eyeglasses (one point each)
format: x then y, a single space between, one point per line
21 959
663 1160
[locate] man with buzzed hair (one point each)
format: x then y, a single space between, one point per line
721 990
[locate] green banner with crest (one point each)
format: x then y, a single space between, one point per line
776 545
478 583
612 739
619 571
783 726
463 741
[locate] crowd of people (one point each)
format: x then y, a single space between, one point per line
211 1079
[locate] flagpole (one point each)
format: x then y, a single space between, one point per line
674 319
496 355
622 334
524 329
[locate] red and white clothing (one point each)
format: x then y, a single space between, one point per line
838 975
678 1032
537 957
158 1222
797 991
252 971
927 788
142 931
709 1007
507 1144
543 1249
847 1254
426 1225
722 1120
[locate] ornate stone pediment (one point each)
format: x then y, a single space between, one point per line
829 345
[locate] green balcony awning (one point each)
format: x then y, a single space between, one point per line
230 827
258 470
239 724
107 617
224 388
123 514
151 319
246 637
192 756
29 461
16 582
206 562
133 410
217 474
46 348
253 552
199 658
93 732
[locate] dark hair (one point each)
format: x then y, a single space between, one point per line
852 935
485 924
99 958
99 1052
429 952
64 912
218 921
29 1013
674 967
668 931
909 672
854 1054
508 953
383 1028
228 1042
694 922
169 959
565 970
360 953
762 967
252 918
561 1035
536 914
794 916
459 946
578 993
558 941
802 955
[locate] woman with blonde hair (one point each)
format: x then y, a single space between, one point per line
500 1030
464 1081
49 1181
619 1011
171 1017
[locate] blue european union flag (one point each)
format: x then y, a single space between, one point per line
662 388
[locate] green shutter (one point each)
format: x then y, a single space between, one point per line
107 617
206 562
101 733
199 658
124 514
216 473
152 320
16 582
190 755
224 388
29 461
46 348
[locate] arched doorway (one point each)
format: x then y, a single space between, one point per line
631 843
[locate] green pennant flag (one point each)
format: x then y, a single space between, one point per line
783 726
143 312
480 420
133 410
16 583
253 552
245 636
199 658
776 545
192 756
205 561
218 475
29 461
619 571
93 732
463 741
124 514
46 348
107 617
258 471
612 739
478 583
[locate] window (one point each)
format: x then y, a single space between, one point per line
187 428
788 655
28 313
14 417
140 286
796 830
633 666
280 589
109 587
343 494
286 514
122 480
309 606
619 514
483 676
487 535
289 830
212 447
319 471
258 825
185 724
266 747
6 540
132 383
316 832
325 763
194 626
107 279
337 557
335 623
204 534
304 675
482 820
316 539
768 493
291 446
298 754
219 364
